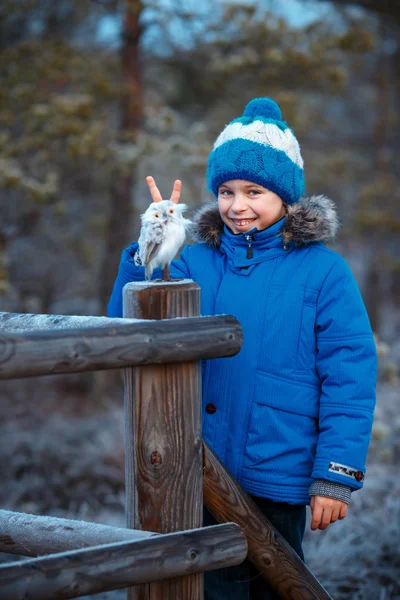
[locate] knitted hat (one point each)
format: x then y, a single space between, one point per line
259 147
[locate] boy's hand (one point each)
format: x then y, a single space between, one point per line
325 511
155 192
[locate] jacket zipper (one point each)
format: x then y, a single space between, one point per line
249 239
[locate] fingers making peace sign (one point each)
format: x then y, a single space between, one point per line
155 192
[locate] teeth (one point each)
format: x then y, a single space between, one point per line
243 222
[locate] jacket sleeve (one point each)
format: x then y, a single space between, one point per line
128 272
346 362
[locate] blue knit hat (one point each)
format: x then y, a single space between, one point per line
259 147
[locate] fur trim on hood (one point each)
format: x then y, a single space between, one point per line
312 219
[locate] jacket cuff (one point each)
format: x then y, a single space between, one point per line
345 474
330 489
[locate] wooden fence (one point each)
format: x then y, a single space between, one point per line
170 471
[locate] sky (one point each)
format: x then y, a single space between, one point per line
297 13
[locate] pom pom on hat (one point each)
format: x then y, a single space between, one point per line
263 107
258 147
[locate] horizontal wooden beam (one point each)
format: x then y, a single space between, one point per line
114 566
33 535
143 342
268 550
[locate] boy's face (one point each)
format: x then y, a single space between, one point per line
244 205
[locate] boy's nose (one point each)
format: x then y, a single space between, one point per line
239 203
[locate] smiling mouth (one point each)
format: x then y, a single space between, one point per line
242 222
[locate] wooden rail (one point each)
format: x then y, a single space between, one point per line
268 550
33 535
35 322
118 565
123 344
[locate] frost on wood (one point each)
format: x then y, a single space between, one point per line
144 285
32 535
31 322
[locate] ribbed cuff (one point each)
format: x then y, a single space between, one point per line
330 489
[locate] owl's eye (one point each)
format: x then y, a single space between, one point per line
171 212
156 215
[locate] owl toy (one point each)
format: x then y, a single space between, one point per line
162 234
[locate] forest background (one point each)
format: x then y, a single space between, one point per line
97 94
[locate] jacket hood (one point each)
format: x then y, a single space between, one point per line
312 219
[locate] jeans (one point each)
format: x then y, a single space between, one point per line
244 582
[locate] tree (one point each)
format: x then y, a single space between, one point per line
119 226
75 132
377 206
387 8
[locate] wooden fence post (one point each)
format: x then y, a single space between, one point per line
163 440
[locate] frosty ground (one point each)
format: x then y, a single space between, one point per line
64 457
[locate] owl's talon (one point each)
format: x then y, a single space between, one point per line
166 274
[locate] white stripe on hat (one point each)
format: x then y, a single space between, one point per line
267 134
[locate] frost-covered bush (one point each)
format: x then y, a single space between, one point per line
63 465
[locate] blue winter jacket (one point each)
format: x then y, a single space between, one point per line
296 404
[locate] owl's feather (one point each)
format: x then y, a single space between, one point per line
151 251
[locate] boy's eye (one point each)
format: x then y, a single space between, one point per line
225 192
255 192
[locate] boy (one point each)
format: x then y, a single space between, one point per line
290 415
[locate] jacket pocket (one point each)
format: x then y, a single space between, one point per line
282 432
307 346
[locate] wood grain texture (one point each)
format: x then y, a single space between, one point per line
114 566
28 354
268 550
33 535
163 435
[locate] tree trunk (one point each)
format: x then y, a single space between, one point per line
119 224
